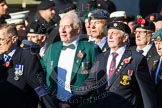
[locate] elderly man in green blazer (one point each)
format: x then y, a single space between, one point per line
67 63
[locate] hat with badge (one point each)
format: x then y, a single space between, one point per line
20 14
120 26
45 4
36 28
118 16
158 35
154 17
17 21
99 14
17 18
144 24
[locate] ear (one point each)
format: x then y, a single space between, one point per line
43 38
78 30
125 37
14 39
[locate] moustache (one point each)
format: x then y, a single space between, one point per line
159 51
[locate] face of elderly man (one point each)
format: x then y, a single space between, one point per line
143 37
98 27
6 41
158 45
116 38
69 28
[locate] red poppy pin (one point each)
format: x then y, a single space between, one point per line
141 21
127 60
7 64
80 54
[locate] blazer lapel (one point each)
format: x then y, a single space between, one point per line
79 55
17 56
57 52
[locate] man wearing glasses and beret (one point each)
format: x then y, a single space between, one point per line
143 32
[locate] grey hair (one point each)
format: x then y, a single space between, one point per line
11 29
76 21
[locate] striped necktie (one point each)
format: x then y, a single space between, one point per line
112 65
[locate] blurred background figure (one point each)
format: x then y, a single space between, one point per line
36 33
68 8
131 24
118 16
3 11
156 18
19 19
47 17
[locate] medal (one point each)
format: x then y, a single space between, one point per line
18 71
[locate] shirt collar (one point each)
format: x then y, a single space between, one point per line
120 50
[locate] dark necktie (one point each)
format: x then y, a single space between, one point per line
141 51
71 46
158 72
112 65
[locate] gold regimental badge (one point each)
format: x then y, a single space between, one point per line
125 80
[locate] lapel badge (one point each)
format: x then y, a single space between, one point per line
18 71
85 67
127 60
104 50
130 73
51 65
124 80
80 54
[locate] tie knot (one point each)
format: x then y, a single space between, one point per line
115 54
7 57
141 51
71 46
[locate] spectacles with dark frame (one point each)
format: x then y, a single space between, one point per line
143 32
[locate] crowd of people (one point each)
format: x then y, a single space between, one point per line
59 60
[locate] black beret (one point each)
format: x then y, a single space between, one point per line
145 24
154 17
120 26
67 7
36 28
45 5
100 14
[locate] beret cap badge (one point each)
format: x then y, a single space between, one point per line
115 24
31 30
158 38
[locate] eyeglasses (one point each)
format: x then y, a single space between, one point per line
142 32
4 40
